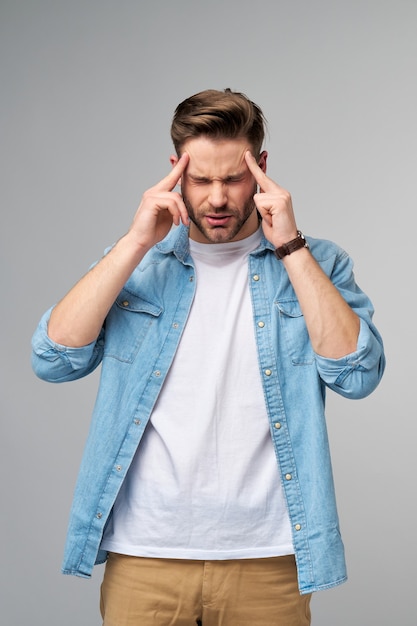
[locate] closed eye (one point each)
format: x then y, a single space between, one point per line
201 180
197 180
234 179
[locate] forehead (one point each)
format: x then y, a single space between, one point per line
216 157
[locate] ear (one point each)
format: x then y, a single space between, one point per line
173 159
262 161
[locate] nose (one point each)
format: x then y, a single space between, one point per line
218 195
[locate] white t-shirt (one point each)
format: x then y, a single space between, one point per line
204 483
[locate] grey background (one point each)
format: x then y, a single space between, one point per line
88 89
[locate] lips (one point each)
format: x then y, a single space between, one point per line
218 220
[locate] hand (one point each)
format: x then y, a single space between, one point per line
160 208
274 205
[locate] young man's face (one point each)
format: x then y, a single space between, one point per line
218 188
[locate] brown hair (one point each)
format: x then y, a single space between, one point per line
219 115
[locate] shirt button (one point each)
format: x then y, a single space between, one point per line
119 468
136 422
297 527
261 324
268 372
99 515
175 325
255 277
288 477
277 425
157 373
125 303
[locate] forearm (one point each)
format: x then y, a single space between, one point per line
78 318
332 325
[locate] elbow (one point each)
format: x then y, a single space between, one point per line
360 382
50 369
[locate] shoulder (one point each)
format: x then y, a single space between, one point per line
323 249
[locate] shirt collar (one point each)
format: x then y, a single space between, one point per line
176 242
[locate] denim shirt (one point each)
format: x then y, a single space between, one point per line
136 348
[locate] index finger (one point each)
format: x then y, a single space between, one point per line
168 183
261 178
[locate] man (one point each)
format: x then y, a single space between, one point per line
206 481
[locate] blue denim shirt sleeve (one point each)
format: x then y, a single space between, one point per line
357 374
54 362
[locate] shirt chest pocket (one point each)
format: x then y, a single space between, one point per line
127 326
294 332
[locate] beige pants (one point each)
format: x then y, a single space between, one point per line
139 591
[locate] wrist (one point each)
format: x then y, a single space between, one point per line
291 246
136 244
129 251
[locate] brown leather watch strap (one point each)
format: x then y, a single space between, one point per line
291 246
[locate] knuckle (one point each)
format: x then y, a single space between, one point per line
149 193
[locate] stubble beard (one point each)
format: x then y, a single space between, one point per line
221 234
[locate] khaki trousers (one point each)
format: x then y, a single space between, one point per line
140 591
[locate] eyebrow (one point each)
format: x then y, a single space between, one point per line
226 179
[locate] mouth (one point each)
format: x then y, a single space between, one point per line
218 220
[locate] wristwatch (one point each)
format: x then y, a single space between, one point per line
291 246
